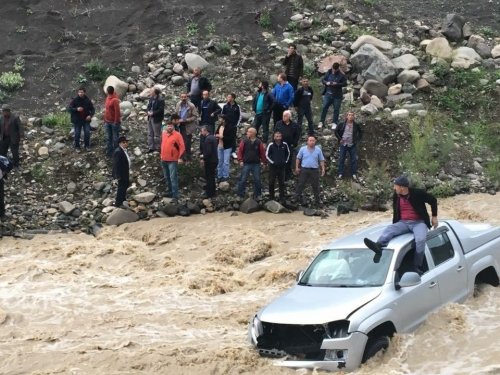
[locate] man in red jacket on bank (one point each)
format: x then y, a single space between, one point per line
172 148
112 120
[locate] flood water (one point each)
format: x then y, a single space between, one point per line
174 296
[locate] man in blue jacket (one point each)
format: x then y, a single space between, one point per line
283 94
334 80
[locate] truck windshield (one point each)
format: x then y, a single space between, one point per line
347 268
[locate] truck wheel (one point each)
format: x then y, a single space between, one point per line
373 346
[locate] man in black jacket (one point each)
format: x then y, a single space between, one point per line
121 170
82 110
208 149
291 135
294 66
232 112
209 110
302 100
262 105
277 154
333 80
156 112
195 87
409 215
11 133
348 134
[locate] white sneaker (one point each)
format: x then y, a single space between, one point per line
334 126
339 177
354 177
320 125
234 156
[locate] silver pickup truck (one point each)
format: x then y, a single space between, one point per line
349 302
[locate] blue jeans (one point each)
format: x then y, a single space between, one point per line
248 168
224 155
86 134
353 155
419 230
171 176
112 134
329 100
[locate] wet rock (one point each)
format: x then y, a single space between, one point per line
183 210
146 197
275 207
249 206
373 64
193 208
121 216
170 210
311 212
120 86
368 39
452 27
66 207
406 62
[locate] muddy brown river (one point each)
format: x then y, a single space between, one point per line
173 296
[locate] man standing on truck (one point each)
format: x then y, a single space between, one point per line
409 215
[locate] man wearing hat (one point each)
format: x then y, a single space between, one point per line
409 215
11 133
121 170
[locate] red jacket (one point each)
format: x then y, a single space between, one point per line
172 146
112 109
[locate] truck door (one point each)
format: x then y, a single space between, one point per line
449 266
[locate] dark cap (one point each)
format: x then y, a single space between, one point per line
122 139
402 181
6 107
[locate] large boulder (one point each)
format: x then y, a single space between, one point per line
465 57
369 39
373 64
439 47
120 86
392 100
376 88
195 61
369 109
146 197
406 62
495 52
121 216
249 206
327 62
452 27
400 113
408 76
479 45
178 80
66 207
275 207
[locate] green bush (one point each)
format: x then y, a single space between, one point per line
96 70
19 64
443 190
59 120
224 48
265 20
210 28
11 81
192 29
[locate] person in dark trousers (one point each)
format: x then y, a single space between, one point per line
112 120
294 66
156 113
283 94
225 140
251 154
303 98
277 155
5 167
172 149
310 164
333 80
409 215
209 110
208 150
82 110
195 87
291 135
262 105
121 170
188 122
232 112
11 133
348 134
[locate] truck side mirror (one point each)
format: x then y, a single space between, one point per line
409 279
299 275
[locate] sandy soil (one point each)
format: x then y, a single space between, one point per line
173 296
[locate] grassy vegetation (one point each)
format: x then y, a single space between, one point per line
11 81
97 71
38 173
443 190
210 27
265 18
60 120
191 29
224 48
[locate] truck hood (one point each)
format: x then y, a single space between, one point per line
316 305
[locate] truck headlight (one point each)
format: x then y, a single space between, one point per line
256 329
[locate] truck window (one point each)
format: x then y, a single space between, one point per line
441 248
